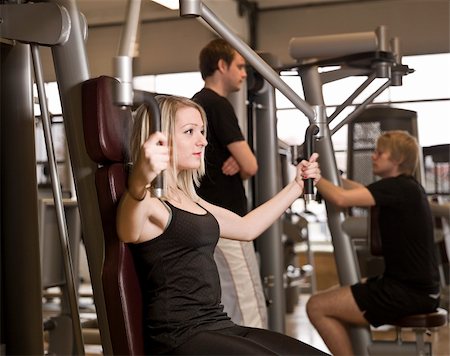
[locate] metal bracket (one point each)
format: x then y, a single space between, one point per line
23 22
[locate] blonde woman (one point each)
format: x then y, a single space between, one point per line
173 240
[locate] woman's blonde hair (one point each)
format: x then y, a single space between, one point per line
169 105
403 149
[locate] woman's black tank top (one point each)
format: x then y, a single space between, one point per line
180 281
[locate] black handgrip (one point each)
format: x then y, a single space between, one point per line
148 99
311 131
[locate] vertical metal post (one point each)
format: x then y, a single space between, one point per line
70 284
267 184
346 262
21 278
71 68
123 62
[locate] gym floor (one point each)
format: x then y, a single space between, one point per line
297 323
298 326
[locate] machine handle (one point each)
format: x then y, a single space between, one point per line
311 131
148 99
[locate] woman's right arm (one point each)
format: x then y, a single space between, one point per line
135 207
131 217
250 226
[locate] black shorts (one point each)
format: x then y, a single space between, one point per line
383 300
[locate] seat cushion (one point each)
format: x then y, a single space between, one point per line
430 320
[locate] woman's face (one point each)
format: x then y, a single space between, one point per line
189 138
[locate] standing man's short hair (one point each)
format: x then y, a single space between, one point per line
211 54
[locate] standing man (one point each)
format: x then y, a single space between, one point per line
229 161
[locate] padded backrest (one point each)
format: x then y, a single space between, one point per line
107 130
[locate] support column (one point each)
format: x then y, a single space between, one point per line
21 278
267 184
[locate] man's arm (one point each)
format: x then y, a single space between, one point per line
358 195
244 157
351 184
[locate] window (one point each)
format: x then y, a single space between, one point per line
183 84
426 91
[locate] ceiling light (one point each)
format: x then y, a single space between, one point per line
171 4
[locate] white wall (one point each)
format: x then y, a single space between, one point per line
421 25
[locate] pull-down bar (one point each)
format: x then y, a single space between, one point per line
195 8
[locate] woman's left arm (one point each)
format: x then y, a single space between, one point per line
250 226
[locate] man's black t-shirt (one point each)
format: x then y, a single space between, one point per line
406 230
222 129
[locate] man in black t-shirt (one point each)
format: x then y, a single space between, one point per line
410 281
229 160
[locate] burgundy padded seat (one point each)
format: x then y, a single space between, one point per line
107 130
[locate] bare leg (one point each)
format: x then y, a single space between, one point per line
330 312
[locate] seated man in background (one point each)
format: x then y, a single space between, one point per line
410 282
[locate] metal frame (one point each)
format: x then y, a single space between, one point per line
65 33
382 62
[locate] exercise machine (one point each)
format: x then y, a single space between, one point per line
371 55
